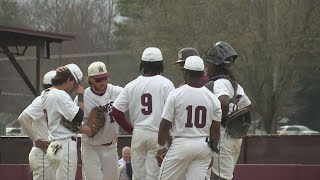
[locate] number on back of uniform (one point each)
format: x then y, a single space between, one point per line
146 102
199 114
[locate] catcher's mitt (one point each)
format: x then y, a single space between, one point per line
72 126
96 120
161 153
238 123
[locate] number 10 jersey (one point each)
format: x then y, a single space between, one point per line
191 111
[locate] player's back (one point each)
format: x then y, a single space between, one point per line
145 97
57 104
39 124
195 108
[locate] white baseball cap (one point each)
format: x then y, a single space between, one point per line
75 71
194 63
98 70
48 77
151 54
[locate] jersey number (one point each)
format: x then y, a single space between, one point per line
146 101
199 123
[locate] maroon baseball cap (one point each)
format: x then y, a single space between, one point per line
186 52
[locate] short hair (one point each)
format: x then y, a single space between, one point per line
62 77
154 67
194 74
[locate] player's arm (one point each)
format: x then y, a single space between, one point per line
26 125
120 106
120 118
215 132
224 100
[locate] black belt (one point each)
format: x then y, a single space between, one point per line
107 144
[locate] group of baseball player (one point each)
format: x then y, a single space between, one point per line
177 133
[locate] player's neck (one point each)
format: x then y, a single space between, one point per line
148 74
61 87
194 83
98 93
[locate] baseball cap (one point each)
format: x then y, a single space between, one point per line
98 70
186 52
75 71
151 54
48 77
194 63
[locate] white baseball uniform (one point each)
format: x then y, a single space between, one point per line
144 97
100 154
229 146
38 160
57 104
191 111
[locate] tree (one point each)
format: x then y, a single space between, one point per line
267 34
10 13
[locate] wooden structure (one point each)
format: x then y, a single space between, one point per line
20 37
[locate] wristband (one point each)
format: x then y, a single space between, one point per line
160 147
80 97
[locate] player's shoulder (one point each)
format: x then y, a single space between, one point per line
115 88
37 100
164 79
133 82
222 82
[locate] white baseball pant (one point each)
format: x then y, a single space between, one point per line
143 155
187 158
100 162
230 148
64 161
39 164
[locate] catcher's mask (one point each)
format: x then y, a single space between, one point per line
221 54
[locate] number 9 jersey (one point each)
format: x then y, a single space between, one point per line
191 111
145 97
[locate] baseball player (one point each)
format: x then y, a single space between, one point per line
33 123
220 58
99 153
57 105
144 97
182 55
192 113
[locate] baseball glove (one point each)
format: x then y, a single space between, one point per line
238 123
96 120
161 153
72 126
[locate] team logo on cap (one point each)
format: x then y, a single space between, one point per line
100 68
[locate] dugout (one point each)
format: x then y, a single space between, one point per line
20 37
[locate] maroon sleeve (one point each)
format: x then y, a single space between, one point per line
120 118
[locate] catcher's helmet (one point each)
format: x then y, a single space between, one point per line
186 52
221 53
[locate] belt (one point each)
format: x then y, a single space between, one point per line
107 144
189 136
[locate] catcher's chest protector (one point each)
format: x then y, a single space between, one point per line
239 121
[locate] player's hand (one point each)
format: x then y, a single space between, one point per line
61 69
85 130
80 89
42 145
161 153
